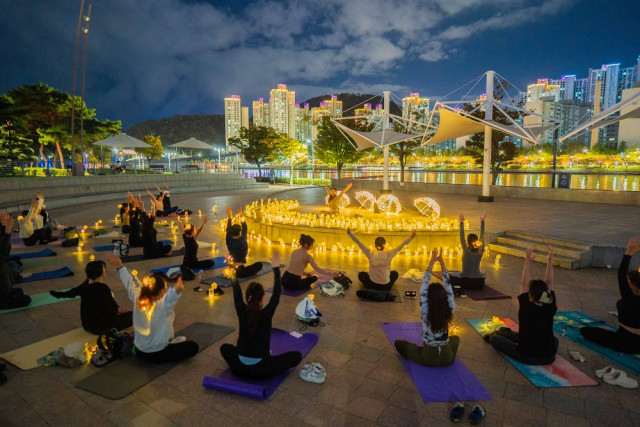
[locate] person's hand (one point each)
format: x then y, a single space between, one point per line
528 254
8 224
55 294
483 216
413 233
40 195
434 256
3 219
34 203
123 310
461 217
240 211
440 260
179 286
633 245
549 252
348 230
205 219
349 185
275 259
113 261
229 211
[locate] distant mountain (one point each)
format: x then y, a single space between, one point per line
208 128
351 100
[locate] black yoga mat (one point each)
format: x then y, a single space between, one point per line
140 257
123 377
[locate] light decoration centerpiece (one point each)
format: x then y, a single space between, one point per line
342 203
427 207
366 200
389 204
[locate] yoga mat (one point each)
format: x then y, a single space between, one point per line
225 282
38 300
560 373
123 377
217 263
43 253
17 243
295 293
33 263
281 342
107 248
438 384
574 320
27 357
140 257
53 274
393 291
486 293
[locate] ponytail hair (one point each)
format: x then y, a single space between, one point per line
306 240
151 288
253 295
94 269
439 313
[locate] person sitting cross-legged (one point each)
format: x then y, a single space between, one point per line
238 246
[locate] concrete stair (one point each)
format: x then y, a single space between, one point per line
566 254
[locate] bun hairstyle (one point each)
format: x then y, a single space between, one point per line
253 295
235 230
439 314
188 229
152 286
306 240
539 292
94 269
380 242
634 278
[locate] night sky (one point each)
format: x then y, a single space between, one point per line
151 59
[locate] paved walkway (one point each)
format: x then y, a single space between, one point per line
366 384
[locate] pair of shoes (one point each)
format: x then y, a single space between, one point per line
218 291
475 416
615 377
314 373
410 294
101 358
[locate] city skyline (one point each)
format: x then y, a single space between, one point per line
157 59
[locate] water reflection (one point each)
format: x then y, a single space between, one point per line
620 182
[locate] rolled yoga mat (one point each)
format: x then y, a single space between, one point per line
123 377
43 253
225 282
38 300
53 274
572 321
438 384
27 357
560 373
217 263
281 342
107 248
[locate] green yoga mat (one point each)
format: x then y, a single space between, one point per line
123 377
40 299
33 263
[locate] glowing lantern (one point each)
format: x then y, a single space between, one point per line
389 204
366 200
427 207
496 263
92 258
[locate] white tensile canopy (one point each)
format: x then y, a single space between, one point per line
192 143
122 141
628 108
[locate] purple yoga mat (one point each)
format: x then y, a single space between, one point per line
281 342
443 384
486 293
288 293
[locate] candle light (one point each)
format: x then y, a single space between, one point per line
92 258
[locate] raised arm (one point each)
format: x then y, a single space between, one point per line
364 249
125 276
343 192
277 284
180 224
526 271
150 193
204 221
326 188
424 288
395 250
482 218
463 241
446 279
548 274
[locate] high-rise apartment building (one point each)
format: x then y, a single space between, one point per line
543 89
282 110
329 108
260 113
608 74
233 119
415 108
571 116
303 123
580 91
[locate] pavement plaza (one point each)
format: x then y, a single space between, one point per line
366 383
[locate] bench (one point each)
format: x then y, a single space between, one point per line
159 168
192 168
7 171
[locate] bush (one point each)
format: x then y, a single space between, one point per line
303 181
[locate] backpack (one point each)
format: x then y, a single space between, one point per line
117 344
120 248
70 233
70 243
99 232
307 311
343 280
332 288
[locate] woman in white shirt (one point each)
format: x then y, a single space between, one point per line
153 316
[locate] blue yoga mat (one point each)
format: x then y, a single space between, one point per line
225 282
40 299
53 274
442 384
572 321
281 342
560 373
217 263
107 248
43 253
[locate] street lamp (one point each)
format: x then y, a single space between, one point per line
219 165
313 163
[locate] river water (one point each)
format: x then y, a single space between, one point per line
585 181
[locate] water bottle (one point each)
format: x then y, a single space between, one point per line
200 275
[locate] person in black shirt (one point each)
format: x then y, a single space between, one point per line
251 357
99 311
238 247
190 235
627 338
10 297
535 343
135 221
151 248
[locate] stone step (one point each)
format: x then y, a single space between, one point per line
538 256
539 246
549 240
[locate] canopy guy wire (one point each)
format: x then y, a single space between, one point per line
363 102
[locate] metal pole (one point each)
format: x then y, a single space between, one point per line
385 149
486 165
73 89
84 69
555 156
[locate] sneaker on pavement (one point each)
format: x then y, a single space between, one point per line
476 415
621 379
456 412
178 340
315 365
313 375
607 370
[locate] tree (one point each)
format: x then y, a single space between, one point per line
256 144
153 152
501 150
332 146
291 151
404 149
573 147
